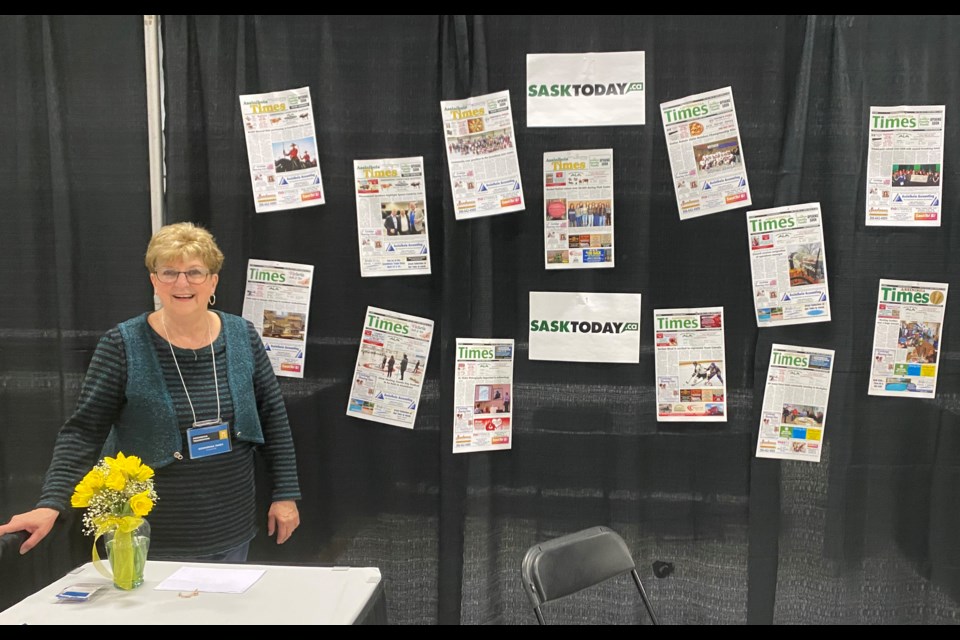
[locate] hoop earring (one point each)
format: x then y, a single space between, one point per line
213 299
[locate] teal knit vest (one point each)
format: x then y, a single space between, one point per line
147 426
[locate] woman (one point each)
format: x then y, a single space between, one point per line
155 378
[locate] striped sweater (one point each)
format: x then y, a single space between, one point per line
204 506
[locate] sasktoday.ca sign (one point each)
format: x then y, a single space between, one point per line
585 327
586 89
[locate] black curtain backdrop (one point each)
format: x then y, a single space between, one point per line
74 222
865 536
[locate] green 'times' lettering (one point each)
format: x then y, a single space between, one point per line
474 353
893 122
382 324
772 224
676 115
685 322
892 294
263 275
790 360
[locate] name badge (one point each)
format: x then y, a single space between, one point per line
210 440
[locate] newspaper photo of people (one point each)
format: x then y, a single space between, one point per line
803 415
403 218
915 175
594 213
920 339
717 156
702 373
392 364
294 155
491 398
482 143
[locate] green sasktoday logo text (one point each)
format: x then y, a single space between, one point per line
582 326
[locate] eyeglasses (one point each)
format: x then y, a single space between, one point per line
194 276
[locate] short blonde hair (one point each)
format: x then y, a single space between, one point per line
181 241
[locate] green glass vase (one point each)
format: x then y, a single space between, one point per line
127 553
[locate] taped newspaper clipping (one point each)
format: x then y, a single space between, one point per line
391 365
794 411
482 156
691 365
277 302
282 150
906 339
904 166
788 261
706 155
392 217
578 209
483 395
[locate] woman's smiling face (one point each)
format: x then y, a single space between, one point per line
181 297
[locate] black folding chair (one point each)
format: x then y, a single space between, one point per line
560 567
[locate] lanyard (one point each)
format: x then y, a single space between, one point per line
213 358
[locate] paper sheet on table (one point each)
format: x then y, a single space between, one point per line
211 580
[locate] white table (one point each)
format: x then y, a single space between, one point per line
284 595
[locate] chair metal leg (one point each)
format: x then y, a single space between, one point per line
536 610
643 596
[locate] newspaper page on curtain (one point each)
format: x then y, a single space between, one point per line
906 339
282 150
794 411
277 302
585 327
483 395
482 156
391 366
690 365
788 260
904 166
578 209
586 89
392 217
706 155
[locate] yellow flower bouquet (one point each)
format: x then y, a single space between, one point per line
117 494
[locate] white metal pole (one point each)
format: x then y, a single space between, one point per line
151 45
